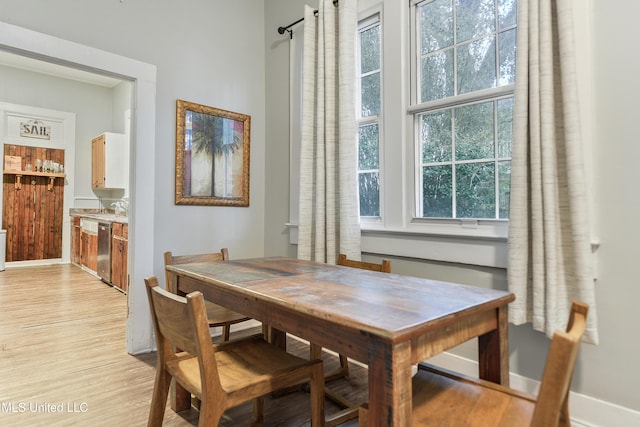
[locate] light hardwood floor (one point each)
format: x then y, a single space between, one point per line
63 360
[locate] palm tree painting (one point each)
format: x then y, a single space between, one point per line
215 147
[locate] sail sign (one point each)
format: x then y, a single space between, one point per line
35 129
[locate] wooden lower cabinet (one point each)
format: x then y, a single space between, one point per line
89 250
119 255
84 250
76 235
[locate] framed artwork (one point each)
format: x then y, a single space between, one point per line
212 156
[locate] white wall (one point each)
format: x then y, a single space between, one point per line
607 375
615 373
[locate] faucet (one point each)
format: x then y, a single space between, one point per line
121 208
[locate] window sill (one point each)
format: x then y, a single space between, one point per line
419 241
445 246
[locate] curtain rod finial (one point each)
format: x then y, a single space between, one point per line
281 30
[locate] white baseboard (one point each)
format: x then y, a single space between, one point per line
35 262
585 411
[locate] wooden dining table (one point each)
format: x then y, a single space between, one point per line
387 321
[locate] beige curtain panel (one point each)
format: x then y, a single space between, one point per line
550 260
329 213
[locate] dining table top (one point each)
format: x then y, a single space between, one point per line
387 305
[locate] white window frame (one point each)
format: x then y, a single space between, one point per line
478 228
371 19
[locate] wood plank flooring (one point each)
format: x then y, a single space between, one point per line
63 360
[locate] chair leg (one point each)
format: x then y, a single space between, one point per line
315 352
363 415
349 411
211 412
159 398
565 420
258 411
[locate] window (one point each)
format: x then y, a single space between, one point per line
434 120
462 102
369 117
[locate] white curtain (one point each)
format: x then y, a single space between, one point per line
549 239
329 213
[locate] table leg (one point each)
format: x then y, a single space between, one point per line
493 351
389 384
278 338
179 397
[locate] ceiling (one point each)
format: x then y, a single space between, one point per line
25 63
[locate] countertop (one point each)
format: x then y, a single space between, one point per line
98 216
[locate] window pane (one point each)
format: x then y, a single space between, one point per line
370 110
370 50
436 192
504 188
475 190
437 76
436 23
477 65
474 18
474 131
507 13
505 127
368 147
464 131
435 135
507 43
369 194
370 95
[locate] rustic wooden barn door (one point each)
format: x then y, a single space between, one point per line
33 206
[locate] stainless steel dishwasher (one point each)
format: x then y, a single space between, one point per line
104 251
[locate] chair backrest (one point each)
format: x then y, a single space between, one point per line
552 402
384 266
170 259
181 322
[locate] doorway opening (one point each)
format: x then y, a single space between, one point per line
59 52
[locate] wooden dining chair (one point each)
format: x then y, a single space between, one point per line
218 316
445 398
224 375
350 410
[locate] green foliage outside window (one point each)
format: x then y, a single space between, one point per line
466 47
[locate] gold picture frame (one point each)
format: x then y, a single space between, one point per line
212 156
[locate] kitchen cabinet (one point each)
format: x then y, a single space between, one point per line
76 234
109 161
119 255
89 244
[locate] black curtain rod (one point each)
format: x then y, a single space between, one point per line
281 30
